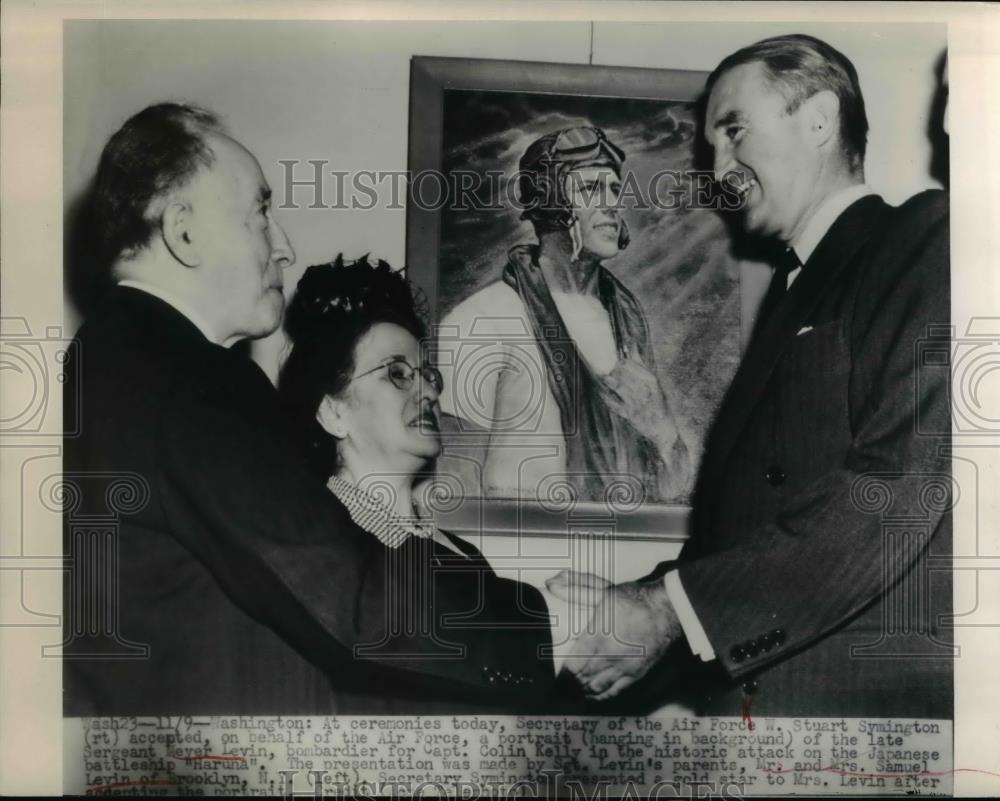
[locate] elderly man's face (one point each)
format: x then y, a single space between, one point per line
747 125
592 193
242 248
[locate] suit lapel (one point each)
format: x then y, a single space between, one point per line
835 252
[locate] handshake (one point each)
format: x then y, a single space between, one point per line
630 627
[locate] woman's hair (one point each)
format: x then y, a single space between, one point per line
334 306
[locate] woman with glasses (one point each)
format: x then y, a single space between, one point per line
366 402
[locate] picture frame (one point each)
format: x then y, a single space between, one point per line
446 94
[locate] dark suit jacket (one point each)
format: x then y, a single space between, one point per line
212 572
496 607
811 563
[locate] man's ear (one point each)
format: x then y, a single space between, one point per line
178 233
331 416
822 116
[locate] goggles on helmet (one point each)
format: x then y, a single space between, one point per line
574 147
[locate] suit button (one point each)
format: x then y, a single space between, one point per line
750 686
738 654
765 643
492 679
775 476
752 649
779 637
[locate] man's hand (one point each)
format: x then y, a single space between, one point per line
628 633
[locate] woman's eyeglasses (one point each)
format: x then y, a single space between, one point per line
402 374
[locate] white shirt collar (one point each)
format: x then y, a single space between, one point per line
179 305
826 215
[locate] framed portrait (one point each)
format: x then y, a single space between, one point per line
519 450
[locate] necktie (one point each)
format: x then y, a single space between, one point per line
784 264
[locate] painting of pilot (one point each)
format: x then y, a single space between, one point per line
566 386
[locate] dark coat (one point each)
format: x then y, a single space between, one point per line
212 573
819 556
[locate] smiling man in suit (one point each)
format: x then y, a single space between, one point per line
816 575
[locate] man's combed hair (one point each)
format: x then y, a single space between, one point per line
153 153
799 66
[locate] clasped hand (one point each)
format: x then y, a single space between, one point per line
631 627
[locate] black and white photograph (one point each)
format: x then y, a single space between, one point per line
574 406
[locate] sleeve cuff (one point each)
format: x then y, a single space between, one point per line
694 633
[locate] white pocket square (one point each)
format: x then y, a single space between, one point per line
804 330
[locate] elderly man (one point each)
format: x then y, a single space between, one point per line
237 583
801 589
555 359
